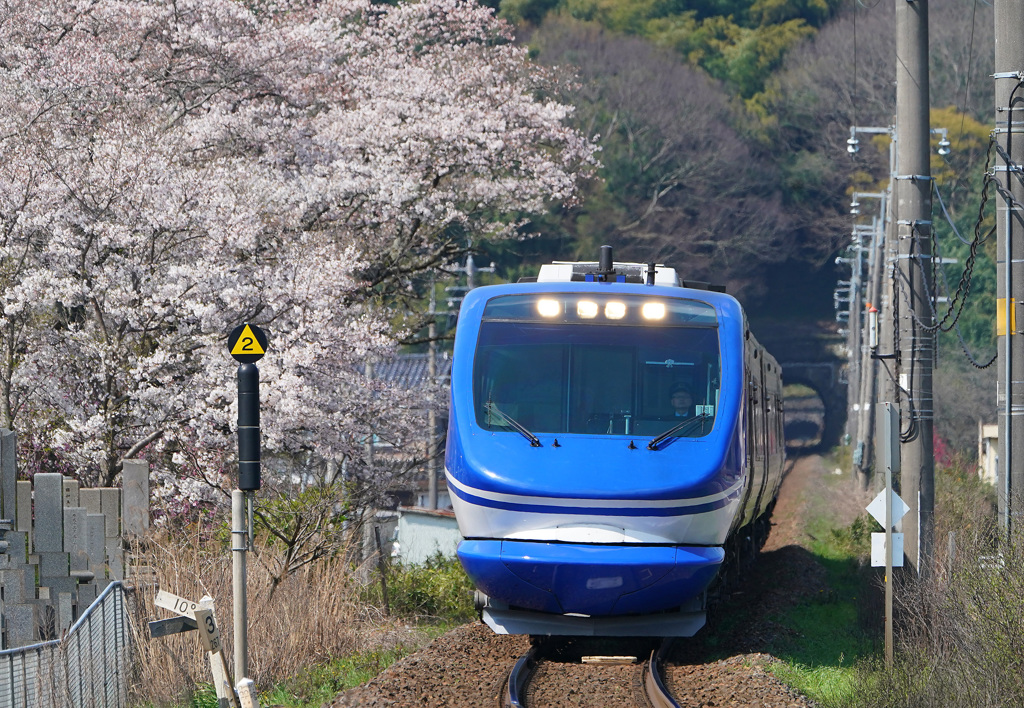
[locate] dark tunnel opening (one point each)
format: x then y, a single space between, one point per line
804 417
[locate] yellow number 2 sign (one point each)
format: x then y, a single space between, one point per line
247 343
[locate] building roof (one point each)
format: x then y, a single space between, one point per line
410 370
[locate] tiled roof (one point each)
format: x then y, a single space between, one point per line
410 370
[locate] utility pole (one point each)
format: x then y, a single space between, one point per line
431 413
879 357
913 287
854 321
1009 121
873 291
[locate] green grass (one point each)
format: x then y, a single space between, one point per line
320 684
827 685
822 660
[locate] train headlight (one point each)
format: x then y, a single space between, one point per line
653 310
615 310
549 308
586 309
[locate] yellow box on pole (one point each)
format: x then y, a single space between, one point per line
1001 316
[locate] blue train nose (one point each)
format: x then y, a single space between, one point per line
585 579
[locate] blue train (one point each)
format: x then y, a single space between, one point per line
614 439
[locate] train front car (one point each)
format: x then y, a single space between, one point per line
597 454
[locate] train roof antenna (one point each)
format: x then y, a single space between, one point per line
606 266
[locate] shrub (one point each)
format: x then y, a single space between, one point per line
854 540
437 590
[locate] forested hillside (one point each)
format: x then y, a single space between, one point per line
723 127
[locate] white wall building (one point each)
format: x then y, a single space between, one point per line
988 452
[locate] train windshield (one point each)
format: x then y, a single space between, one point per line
597 364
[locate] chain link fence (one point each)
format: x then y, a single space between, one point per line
86 669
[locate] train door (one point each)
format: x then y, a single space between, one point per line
762 435
752 396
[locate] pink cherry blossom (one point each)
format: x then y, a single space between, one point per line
171 169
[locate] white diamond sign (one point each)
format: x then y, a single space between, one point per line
877 508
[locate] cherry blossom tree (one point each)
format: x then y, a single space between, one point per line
173 168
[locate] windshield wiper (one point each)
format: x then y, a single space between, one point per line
514 424
678 428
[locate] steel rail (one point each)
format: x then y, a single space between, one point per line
515 687
656 693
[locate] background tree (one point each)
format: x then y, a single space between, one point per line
180 167
681 184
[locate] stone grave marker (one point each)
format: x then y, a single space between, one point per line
9 477
90 499
135 500
70 492
49 512
66 538
24 522
75 542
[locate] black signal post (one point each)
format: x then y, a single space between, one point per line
247 344
248 427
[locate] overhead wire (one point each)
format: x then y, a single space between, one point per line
959 335
964 287
970 65
949 320
912 429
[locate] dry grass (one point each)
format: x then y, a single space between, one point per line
317 614
960 633
960 628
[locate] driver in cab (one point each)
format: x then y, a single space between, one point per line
682 401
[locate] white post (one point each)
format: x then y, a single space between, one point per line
209 635
239 546
891 461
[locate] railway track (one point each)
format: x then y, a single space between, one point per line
553 669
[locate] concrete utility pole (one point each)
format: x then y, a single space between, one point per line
879 358
914 287
431 413
868 367
855 308
1009 121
